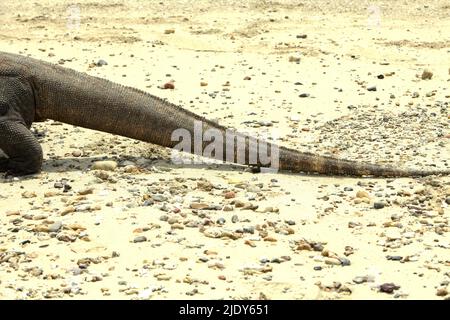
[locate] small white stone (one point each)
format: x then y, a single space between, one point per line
104 165
393 234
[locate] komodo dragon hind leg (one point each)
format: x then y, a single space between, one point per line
22 148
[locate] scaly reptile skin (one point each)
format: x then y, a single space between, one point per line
33 90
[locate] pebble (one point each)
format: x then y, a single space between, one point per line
220 233
198 206
169 85
393 234
344 262
409 235
77 153
441 292
28 195
332 261
105 165
86 191
159 197
360 279
394 258
317 247
250 243
253 188
362 194
131 169
426 74
55 227
101 63
388 287
67 210
378 205
372 88
265 123
140 239
58 185
250 229
270 239
65 237
227 208
229 195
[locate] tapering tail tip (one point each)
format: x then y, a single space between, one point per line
295 161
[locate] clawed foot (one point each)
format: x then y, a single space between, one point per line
12 174
8 173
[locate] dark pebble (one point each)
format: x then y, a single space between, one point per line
317 246
378 205
394 258
388 287
140 239
249 229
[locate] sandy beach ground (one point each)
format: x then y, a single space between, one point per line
341 78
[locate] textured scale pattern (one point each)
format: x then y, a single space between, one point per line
33 90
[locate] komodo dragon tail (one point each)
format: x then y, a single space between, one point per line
82 100
105 106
